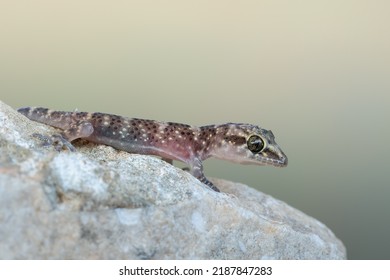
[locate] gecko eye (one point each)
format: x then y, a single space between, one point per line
255 144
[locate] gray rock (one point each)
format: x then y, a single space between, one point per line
100 203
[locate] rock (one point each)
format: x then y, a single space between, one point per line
100 203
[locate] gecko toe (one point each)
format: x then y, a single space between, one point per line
205 181
61 142
46 141
56 140
214 188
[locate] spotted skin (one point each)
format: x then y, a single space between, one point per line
240 143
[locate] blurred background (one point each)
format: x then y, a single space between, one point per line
315 72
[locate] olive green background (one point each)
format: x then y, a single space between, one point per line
315 72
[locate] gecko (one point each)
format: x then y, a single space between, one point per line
235 142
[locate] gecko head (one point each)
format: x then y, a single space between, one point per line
248 144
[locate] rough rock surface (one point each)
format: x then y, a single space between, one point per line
100 203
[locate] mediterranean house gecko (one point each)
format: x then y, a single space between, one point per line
235 142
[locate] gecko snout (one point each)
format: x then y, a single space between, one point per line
284 161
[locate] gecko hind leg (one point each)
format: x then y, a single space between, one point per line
80 129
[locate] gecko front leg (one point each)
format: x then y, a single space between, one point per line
196 169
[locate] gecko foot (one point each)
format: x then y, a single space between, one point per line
209 184
56 140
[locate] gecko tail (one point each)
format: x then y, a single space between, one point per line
44 115
24 110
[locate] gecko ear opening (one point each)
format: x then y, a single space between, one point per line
255 144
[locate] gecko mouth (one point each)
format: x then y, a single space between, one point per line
277 162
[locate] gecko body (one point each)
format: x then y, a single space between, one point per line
235 142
